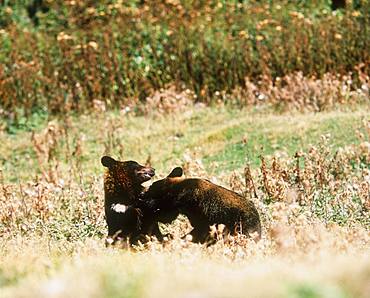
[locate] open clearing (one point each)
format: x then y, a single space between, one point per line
315 228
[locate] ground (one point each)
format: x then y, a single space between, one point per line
315 232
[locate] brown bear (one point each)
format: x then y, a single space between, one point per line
127 216
205 204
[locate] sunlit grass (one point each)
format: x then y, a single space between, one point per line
90 270
315 239
225 139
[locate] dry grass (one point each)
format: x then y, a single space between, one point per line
185 270
314 207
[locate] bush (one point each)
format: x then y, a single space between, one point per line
120 52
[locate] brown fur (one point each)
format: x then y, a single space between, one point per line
126 214
205 204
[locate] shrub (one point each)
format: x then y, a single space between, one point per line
120 52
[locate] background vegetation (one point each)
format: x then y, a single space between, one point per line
268 98
75 53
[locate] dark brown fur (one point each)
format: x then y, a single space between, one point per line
205 204
126 214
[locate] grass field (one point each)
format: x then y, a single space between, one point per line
314 205
267 98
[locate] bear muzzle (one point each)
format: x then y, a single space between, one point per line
146 173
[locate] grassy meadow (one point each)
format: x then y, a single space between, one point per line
267 98
315 215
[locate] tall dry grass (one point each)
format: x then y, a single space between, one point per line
314 207
327 186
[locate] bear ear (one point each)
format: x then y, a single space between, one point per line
176 172
107 161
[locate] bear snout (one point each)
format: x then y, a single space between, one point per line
146 173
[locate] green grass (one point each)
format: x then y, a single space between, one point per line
245 142
225 139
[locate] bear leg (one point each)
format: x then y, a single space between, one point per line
200 233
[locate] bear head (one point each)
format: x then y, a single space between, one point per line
123 179
127 170
158 194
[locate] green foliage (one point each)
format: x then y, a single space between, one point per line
119 52
35 121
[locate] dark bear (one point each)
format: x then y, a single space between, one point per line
205 204
126 214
